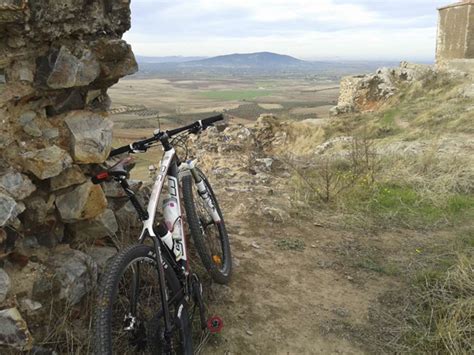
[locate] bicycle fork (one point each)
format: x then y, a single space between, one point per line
203 192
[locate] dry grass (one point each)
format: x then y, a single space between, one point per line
419 175
439 318
67 328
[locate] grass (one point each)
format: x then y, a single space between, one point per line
427 190
388 117
290 244
241 95
388 205
441 308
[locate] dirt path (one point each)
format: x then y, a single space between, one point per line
292 291
302 284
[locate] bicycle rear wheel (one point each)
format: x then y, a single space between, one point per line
129 286
210 238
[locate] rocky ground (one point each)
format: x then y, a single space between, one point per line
298 284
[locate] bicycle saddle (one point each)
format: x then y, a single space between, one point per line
119 170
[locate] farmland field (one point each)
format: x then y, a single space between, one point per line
140 103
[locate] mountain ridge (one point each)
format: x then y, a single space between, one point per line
257 59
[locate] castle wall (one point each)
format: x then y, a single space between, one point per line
455 43
57 60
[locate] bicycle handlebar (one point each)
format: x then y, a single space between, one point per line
195 128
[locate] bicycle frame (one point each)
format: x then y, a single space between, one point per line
170 170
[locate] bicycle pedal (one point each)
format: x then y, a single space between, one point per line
215 324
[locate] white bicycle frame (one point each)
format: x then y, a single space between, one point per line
170 172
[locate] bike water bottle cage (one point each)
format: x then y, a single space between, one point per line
118 172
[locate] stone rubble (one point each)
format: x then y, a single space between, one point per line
57 61
101 255
76 273
368 92
14 330
5 285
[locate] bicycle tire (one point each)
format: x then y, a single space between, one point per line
108 293
219 274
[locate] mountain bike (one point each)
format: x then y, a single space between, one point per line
146 291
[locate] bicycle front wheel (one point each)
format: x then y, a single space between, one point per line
129 317
210 238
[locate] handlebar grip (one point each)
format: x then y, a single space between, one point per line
121 150
209 121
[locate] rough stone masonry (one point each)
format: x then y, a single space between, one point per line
455 44
57 60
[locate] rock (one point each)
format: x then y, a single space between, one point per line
76 273
101 255
413 72
5 285
324 147
46 163
46 287
14 330
103 225
264 164
255 245
17 185
116 59
39 207
22 71
27 121
341 312
92 136
92 95
275 214
8 209
30 242
367 92
70 71
468 92
114 189
50 133
26 117
69 177
30 305
85 201
68 100
50 232
16 42
32 129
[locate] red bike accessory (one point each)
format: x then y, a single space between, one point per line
101 177
215 324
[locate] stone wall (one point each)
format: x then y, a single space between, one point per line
455 44
57 60
362 93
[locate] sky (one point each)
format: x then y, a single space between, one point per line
306 29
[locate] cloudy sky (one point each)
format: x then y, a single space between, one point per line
308 29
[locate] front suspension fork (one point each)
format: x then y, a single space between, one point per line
204 194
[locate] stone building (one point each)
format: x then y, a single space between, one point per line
455 44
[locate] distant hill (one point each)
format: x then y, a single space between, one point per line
251 64
249 60
167 59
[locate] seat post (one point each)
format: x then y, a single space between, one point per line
142 214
